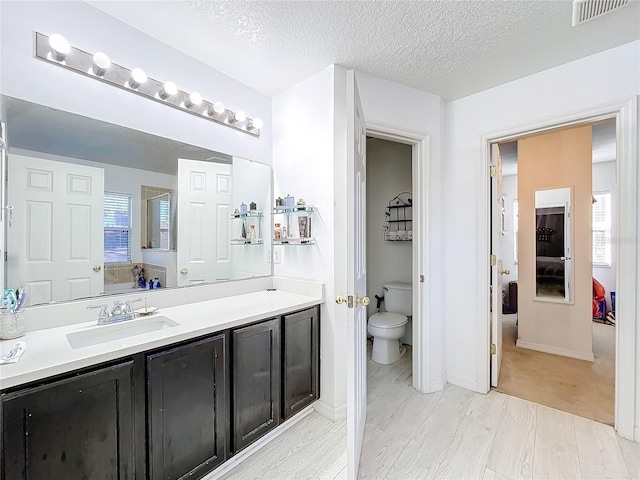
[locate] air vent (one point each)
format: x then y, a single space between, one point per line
585 10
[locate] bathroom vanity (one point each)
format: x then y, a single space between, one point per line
177 401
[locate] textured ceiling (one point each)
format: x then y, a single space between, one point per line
449 48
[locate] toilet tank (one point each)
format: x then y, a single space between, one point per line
398 298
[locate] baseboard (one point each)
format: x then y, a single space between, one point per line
461 382
258 444
556 350
437 385
333 414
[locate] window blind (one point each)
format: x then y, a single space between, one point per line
117 227
601 229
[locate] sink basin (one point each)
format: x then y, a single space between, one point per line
119 331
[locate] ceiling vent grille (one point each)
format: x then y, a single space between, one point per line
585 10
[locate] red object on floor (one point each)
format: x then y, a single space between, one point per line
598 304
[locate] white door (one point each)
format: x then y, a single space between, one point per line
3 166
204 213
55 234
497 215
356 277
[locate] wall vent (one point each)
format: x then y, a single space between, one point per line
585 10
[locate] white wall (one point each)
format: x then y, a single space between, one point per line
401 107
604 180
303 152
26 77
599 79
388 174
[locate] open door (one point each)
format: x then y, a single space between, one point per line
356 277
497 212
204 213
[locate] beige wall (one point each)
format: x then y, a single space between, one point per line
554 160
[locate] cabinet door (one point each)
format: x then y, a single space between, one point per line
301 334
256 381
186 409
77 428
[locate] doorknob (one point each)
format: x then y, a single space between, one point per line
183 271
340 299
362 300
505 272
97 268
565 258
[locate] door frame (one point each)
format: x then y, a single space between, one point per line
625 113
421 329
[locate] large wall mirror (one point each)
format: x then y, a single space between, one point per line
553 244
97 207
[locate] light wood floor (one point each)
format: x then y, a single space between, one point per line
450 434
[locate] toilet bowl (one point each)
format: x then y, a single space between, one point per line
387 329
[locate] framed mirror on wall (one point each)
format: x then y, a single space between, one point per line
553 244
96 207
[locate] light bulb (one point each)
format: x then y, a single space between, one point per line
257 123
193 100
138 77
100 63
240 116
59 47
218 108
168 89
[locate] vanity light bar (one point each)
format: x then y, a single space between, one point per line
56 50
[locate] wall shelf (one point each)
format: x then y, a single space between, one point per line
246 229
295 227
398 225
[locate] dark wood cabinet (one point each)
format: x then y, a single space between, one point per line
81 427
300 357
169 413
186 409
256 381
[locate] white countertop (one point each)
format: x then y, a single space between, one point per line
49 353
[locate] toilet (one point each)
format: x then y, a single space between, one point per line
387 328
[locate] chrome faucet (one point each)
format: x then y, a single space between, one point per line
120 312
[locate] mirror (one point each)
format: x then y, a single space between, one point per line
98 206
160 220
553 246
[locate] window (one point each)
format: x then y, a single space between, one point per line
515 231
601 229
117 227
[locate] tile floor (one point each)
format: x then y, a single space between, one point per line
450 434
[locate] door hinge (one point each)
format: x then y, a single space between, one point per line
494 350
493 260
5 256
493 171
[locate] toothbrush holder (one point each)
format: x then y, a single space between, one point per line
12 324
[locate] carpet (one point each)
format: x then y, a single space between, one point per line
576 386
